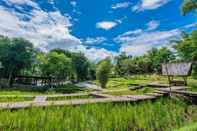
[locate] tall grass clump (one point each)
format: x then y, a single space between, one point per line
163 115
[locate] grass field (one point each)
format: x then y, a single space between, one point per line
162 115
122 83
68 97
132 92
15 99
17 91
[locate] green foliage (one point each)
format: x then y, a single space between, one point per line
188 6
19 57
148 63
187 47
15 55
57 65
103 71
160 115
16 99
159 56
122 63
81 66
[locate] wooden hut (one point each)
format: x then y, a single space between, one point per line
177 70
34 80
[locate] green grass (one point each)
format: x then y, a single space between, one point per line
17 92
69 88
192 83
122 83
134 92
161 115
68 97
189 127
15 99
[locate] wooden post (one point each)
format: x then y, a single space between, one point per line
168 80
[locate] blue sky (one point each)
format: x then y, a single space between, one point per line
98 28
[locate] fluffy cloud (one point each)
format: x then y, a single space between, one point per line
152 25
149 5
106 25
138 42
128 36
44 29
120 5
97 40
94 54
47 30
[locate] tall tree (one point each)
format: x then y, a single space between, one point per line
187 47
81 66
16 54
121 64
159 56
188 6
57 65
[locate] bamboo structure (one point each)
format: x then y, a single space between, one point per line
172 70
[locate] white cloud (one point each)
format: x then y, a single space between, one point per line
139 43
94 54
152 25
96 40
46 30
73 3
193 25
120 5
106 25
128 36
18 3
149 5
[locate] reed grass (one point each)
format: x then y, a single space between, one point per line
161 115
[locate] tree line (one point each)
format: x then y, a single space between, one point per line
19 57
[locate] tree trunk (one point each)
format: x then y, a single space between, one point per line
10 77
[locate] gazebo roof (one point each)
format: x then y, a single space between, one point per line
177 69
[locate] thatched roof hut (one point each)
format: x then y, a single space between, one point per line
177 69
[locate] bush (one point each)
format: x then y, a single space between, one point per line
103 71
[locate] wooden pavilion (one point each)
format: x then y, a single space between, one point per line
34 80
172 70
